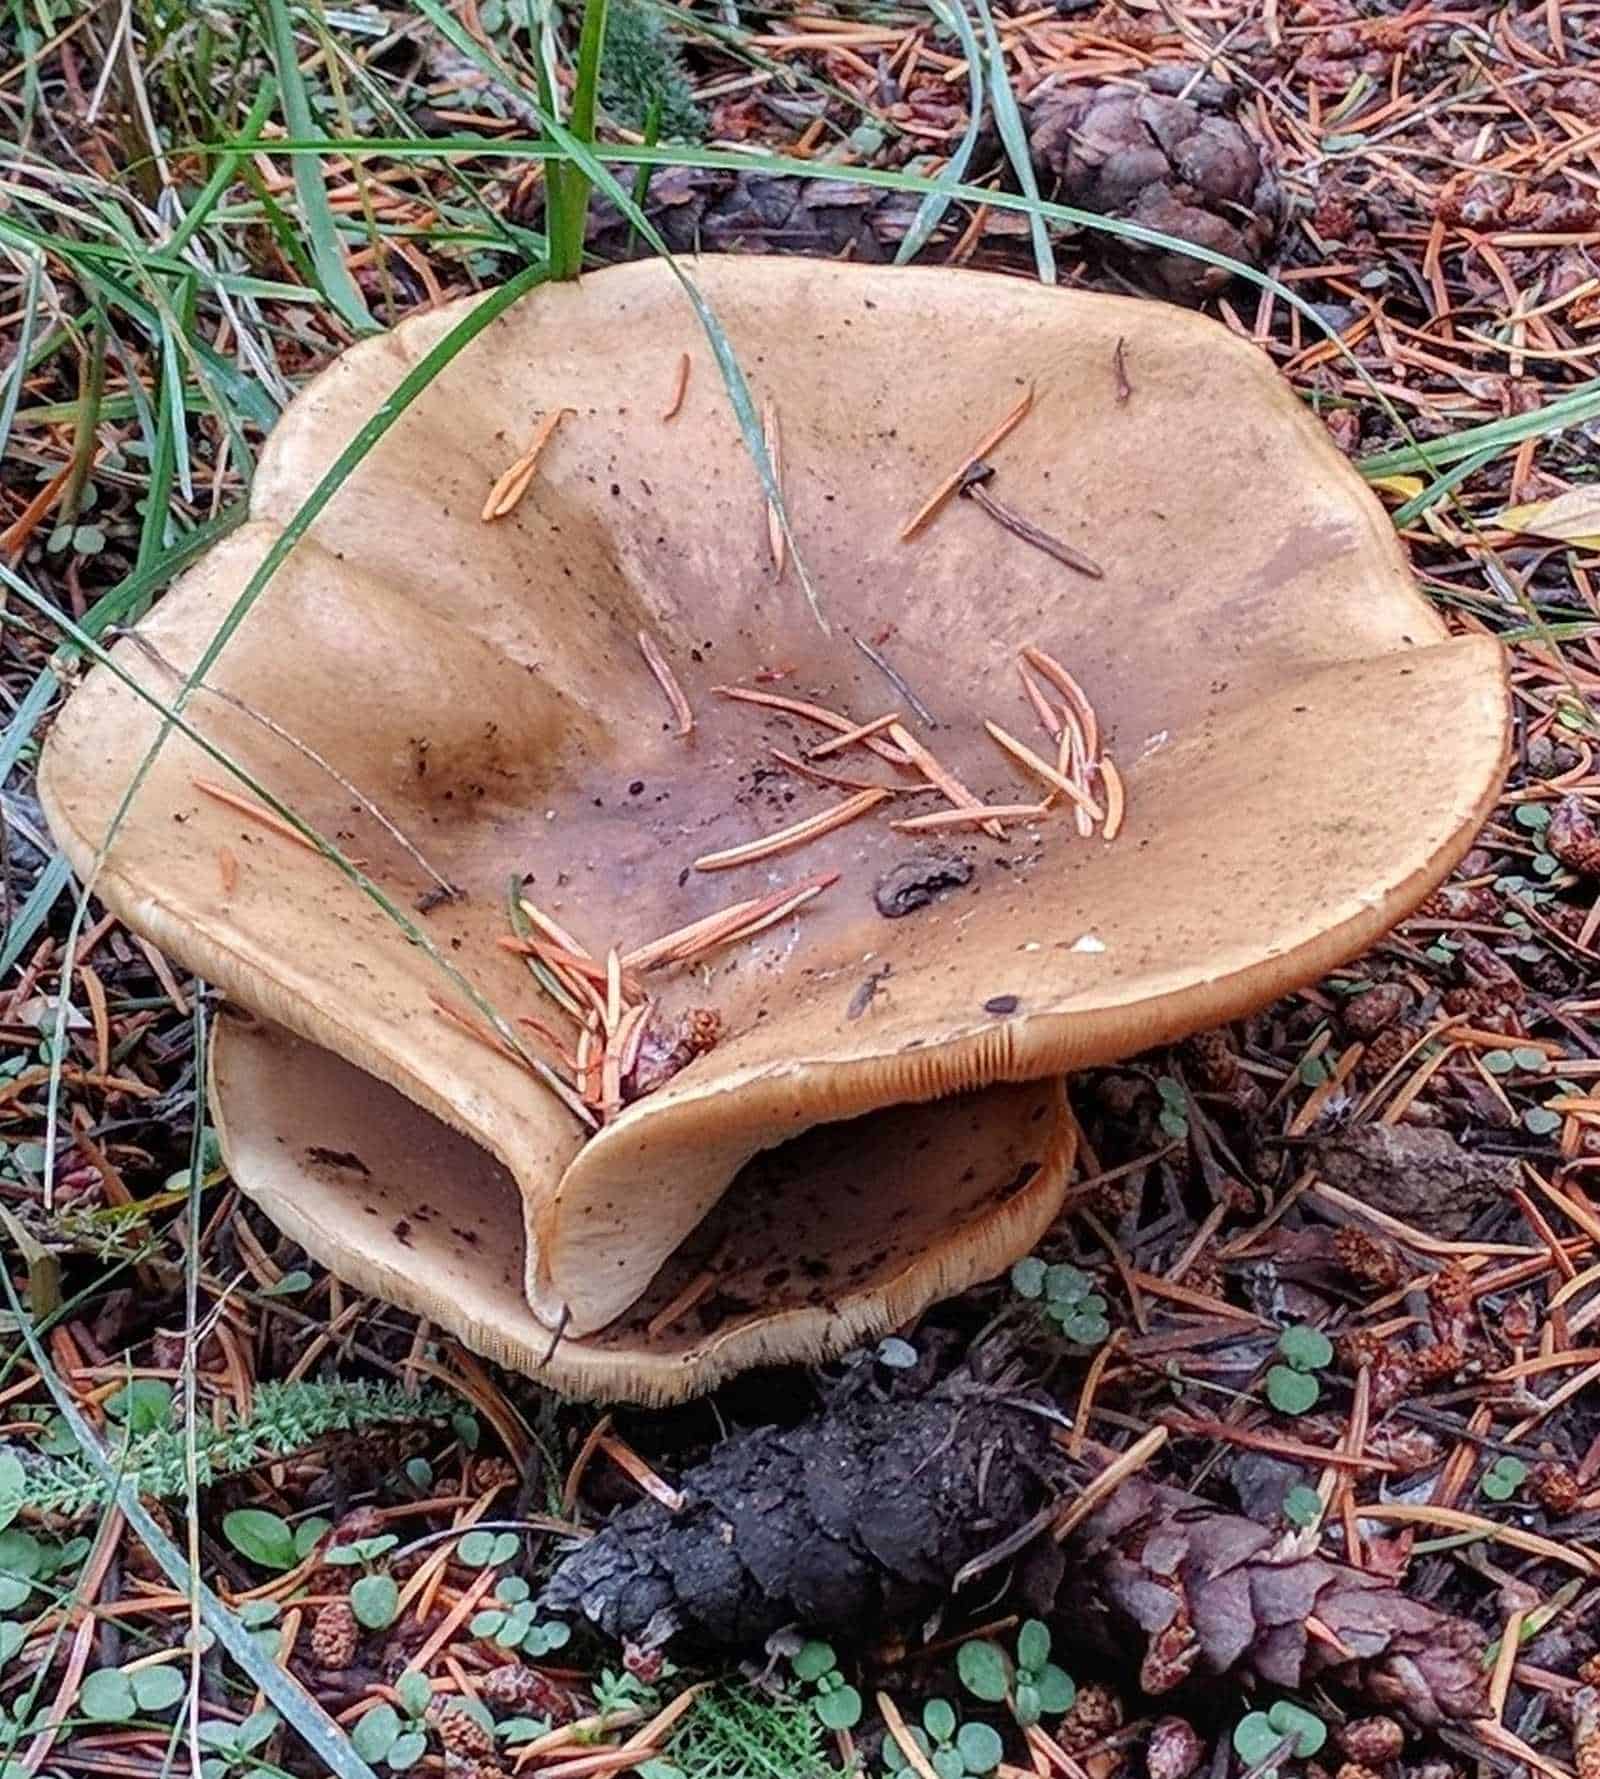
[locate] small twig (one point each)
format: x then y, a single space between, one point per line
555 1338
1119 369
773 438
896 680
972 488
1117 1472
952 482
843 780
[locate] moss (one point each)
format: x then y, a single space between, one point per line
642 66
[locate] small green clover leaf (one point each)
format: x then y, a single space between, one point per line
1305 1349
812 1660
1286 1717
1302 1506
375 1600
106 1696
984 1670
262 1537
840 1708
1503 1478
1027 1276
1292 1392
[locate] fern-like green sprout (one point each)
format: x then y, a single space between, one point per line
643 67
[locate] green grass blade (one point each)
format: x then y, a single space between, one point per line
930 212
222 174
1014 137
1443 486
17 374
591 45
32 914
327 252
1575 409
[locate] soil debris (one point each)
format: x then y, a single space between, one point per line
917 881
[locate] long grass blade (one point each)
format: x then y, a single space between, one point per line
1014 137
17 374
327 252
930 212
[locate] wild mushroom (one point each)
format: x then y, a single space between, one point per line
1303 754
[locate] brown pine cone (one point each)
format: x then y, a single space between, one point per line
1354 1769
525 1692
460 1732
1450 1288
1373 1741
1095 1713
463 1766
335 1635
1556 1487
1444 1359
1572 838
1364 1256
1385 1051
1365 1015
494 1473
1586 1733
1175 1750
1212 1060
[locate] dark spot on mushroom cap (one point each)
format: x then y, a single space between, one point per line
1002 1004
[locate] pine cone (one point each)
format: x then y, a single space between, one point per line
1385 1051
463 1766
1586 1733
1432 1365
1166 1564
494 1473
335 1635
1556 1487
1368 1258
1589 1670
1210 1057
1365 1015
1175 1750
525 1692
460 1732
1137 151
1354 1769
1572 838
1095 1713
1373 1741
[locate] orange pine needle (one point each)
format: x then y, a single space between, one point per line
668 682
983 814
796 834
679 389
952 482
631 1464
228 871
1021 752
936 774
1075 695
1046 712
509 489
552 930
849 737
843 779
817 713
692 1293
739 921
1116 796
256 812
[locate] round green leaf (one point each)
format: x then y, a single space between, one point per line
486 1623
506 1546
106 1696
407 1750
1033 1645
1499 1062
1541 1121
1306 1349
13 1591
376 1733
141 1406
1288 1718
981 1747
984 1671
897 1354
1027 1706
309 1534
1027 1276
1254 1738
12 1638
157 1689
948 1763
1066 1284
1057 1690
413 1690
375 1599
939 1719
1512 1469
260 1536
1292 1392
1531 815
511 1590
476 1549
256 1729
812 1660
1087 1330
21 1554
1302 1506
840 1709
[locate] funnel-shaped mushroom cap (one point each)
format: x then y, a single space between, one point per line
1305 754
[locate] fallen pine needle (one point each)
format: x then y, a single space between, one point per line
552 930
935 773
796 834
1075 695
895 1724
668 682
960 818
582 1730
1043 708
1116 796
1019 750
654 1732
776 541
1505 1661
1118 1471
631 1464
228 870
843 779
817 713
680 389
848 737
515 482
1454 1519
248 806
1003 429
698 1287
487 1036
739 921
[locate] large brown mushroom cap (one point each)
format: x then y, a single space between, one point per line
1306 752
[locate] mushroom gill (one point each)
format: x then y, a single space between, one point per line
1304 752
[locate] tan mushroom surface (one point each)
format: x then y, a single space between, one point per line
1305 752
